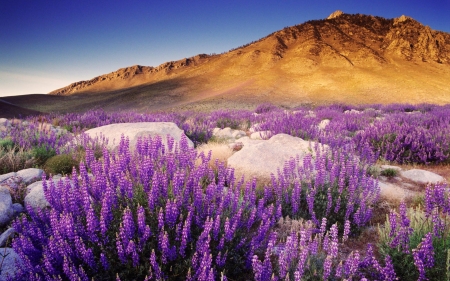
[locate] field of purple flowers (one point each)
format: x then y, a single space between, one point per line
154 213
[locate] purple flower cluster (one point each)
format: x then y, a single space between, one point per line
143 214
334 185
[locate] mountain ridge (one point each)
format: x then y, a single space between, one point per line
353 53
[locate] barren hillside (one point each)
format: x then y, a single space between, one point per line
344 58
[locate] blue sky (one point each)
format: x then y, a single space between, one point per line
45 45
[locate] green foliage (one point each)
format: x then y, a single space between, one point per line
404 262
7 144
60 164
389 172
42 153
228 122
373 171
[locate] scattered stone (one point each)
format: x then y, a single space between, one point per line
30 175
6 211
10 262
18 209
261 135
422 176
5 236
236 146
260 158
228 133
385 167
352 111
5 122
323 124
133 131
255 128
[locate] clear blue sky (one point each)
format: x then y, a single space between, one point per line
45 45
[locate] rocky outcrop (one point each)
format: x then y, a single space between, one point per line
335 14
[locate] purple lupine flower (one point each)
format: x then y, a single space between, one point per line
144 231
334 241
424 255
388 270
327 267
346 230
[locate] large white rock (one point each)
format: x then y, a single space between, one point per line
10 263
422 176
30 175
4 177
133 131
6 210
260 158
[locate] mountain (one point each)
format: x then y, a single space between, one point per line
349 58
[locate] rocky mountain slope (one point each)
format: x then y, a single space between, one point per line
344 58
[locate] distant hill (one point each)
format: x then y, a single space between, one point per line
8 110
344 58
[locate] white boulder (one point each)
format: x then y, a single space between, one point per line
133 131
422 176
260 158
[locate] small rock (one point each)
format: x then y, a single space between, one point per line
261 135
323 124
238 134
352 111
9 264
236 146
5 122
18 209
385 167
30 175
5 235
422 176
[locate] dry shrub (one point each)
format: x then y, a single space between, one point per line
15 159
219 151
